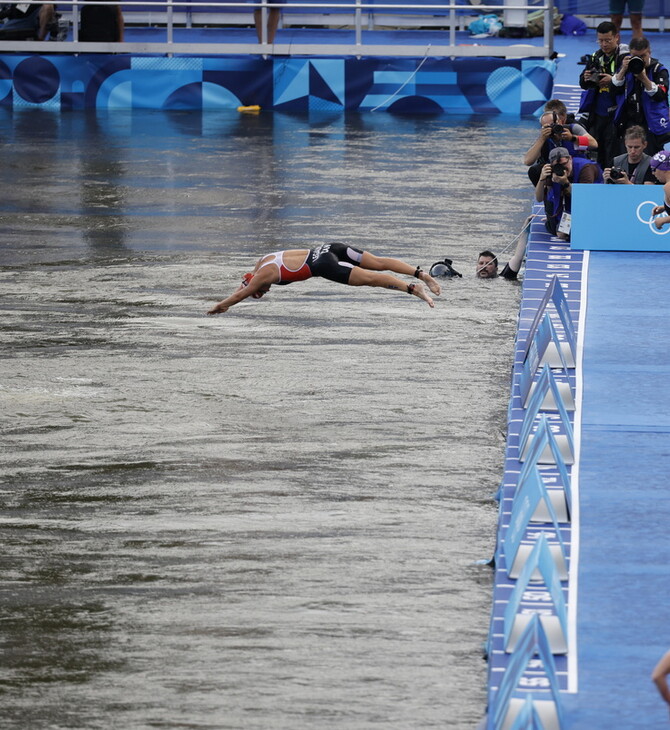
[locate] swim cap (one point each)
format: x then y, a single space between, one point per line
246 280
660 161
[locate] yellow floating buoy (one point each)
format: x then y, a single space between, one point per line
253 108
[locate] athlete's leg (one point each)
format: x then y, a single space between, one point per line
382 263
363 277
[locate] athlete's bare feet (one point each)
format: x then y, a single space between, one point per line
432 284
419 290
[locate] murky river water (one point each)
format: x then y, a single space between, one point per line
267 519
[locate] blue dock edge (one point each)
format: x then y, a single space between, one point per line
582 569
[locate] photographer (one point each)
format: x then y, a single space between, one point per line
599 100
631 168
556 131
642 95
24 22
554 188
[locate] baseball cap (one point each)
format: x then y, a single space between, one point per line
661 160
557 153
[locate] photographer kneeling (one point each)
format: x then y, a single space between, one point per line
632 168
556 131
554 188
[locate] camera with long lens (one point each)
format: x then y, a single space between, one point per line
636 65
616 173
558 169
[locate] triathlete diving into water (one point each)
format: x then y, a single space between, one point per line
334 261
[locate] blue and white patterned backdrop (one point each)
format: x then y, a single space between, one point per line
461 86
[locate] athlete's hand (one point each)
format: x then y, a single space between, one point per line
218 309
658 209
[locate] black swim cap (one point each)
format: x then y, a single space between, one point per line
444 269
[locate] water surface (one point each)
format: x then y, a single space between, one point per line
267 519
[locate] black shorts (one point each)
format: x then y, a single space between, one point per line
334 261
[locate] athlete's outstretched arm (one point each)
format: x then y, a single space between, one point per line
260 281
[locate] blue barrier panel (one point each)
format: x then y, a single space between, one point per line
544 336
528 719
628 225
561 426
549 604
543 440
556 295
530 492
533 641
293 84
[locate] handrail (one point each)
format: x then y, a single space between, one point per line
258 3
358 48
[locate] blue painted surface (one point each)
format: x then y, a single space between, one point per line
624 562
620 580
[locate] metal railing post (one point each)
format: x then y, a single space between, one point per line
264 22
170 23
75 21
358 18
549 29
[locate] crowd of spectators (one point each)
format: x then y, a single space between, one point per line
619 133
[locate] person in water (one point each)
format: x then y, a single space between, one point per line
487 262
334 261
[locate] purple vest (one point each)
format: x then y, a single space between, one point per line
655 112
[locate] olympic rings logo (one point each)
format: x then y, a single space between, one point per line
650 220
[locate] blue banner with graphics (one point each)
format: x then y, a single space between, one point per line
617 218
295 84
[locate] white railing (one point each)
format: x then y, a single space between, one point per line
168 17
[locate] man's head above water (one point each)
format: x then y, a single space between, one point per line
487 265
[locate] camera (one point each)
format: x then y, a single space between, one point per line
616 173
556 128
636 65
590 64
558 169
